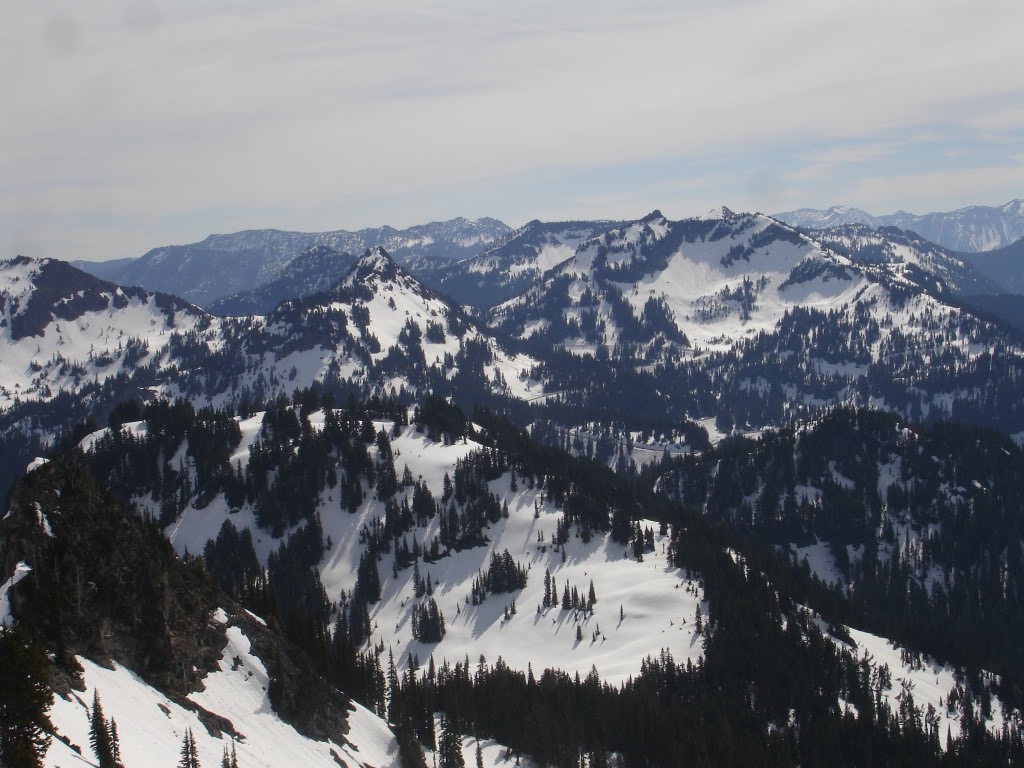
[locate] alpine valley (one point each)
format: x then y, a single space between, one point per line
717 491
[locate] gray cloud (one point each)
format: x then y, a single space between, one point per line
130 123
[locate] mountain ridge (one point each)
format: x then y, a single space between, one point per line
222 265
972 229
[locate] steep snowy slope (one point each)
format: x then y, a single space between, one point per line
657 602
645 607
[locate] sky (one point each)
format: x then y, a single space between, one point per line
129 124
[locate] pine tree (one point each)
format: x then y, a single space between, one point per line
450 748
115 743
99 734
189 754
479 752
25 696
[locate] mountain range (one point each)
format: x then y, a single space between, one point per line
717 490
223 265
974 229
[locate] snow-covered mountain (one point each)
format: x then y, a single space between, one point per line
739 311
972 229
317 469
61 328
378 327
938 269
224 265
836 216
710 282
514 263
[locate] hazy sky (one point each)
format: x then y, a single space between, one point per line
126 125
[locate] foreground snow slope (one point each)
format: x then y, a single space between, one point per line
151 726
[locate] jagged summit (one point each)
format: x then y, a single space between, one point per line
717 214
376 266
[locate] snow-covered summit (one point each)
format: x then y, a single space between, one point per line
376 263
61 327
714 281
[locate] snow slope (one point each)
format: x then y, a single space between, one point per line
61 328
152 726
658 602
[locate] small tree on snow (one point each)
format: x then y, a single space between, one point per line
189 754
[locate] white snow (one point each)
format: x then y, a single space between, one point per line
21 570
151 726
36 463
654 597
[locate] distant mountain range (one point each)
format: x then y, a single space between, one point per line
315 269
224 265
972 229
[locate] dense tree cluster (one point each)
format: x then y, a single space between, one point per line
768 677
924 521
25 697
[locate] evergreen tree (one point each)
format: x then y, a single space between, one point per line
115 744
229 759
25 697
189 754
100 735
450 748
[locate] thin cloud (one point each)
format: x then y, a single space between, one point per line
941 190
344 114
823 162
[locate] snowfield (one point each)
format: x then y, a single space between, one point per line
657 601
152 727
